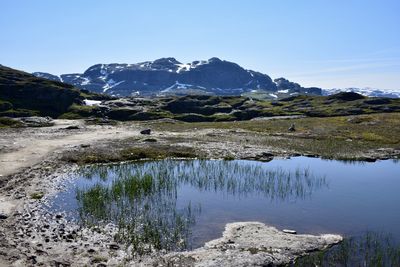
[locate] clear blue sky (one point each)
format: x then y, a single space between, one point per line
327 43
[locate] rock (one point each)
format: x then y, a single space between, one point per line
267 154
251 244
36 121
3 216
145 131
292 128
287 231
72 127
32 259
61 263
150 140
114 246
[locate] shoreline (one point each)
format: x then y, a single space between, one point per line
40 174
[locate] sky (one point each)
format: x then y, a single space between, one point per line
324 43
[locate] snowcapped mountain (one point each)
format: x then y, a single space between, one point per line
169 76
372 92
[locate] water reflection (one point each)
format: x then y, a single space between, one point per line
369 249
141 198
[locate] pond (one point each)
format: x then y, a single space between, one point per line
181 204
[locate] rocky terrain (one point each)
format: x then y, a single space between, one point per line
43 156
194 108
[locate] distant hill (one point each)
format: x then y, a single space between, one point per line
167 76
23 94
372 92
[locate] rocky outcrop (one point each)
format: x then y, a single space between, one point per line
284 85
251 244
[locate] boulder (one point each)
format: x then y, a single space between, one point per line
251 244
36 121
145 131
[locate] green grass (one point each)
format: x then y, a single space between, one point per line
7 122
331 137
37 195
78 112
131 153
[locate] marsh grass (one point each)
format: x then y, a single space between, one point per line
141 198
370 249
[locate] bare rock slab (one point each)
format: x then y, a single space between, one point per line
251 244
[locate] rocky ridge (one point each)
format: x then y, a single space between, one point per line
169 76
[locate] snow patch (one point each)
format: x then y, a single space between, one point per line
283 91
273 95
111 84
177 85
89 102
85 81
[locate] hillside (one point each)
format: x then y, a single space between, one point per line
22 94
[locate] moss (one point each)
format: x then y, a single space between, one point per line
37 195
131 153
136 153
80 111
8 122
19 113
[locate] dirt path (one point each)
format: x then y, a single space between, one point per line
29 150
28 147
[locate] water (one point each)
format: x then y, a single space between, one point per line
196 198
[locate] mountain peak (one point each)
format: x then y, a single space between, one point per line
167 60
168 75
214 60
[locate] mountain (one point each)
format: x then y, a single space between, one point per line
166 76
372 92
47 76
